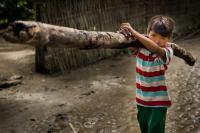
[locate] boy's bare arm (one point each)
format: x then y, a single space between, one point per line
148 43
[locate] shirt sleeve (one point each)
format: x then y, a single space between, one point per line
169 55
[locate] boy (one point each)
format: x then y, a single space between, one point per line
152 98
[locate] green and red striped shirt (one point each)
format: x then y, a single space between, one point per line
151 89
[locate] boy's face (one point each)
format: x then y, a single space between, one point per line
158 39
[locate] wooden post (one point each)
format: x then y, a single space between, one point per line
39 49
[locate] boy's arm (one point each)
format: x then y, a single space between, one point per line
148 43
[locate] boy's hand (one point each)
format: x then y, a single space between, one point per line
126 30
126 26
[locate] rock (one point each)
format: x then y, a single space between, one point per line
15 77
90 122
32 119
61 105
88 93
191 127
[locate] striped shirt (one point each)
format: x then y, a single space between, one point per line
151 89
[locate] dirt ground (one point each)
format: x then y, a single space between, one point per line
98 98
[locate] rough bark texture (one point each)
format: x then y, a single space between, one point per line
184 54
35 33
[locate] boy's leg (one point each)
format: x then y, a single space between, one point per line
142 117
157 119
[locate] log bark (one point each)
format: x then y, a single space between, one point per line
36 33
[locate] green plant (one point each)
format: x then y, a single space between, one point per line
11 10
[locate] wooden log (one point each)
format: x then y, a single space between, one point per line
36 33
9 83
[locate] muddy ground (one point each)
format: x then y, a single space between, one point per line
98 98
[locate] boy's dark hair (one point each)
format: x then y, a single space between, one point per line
163 25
